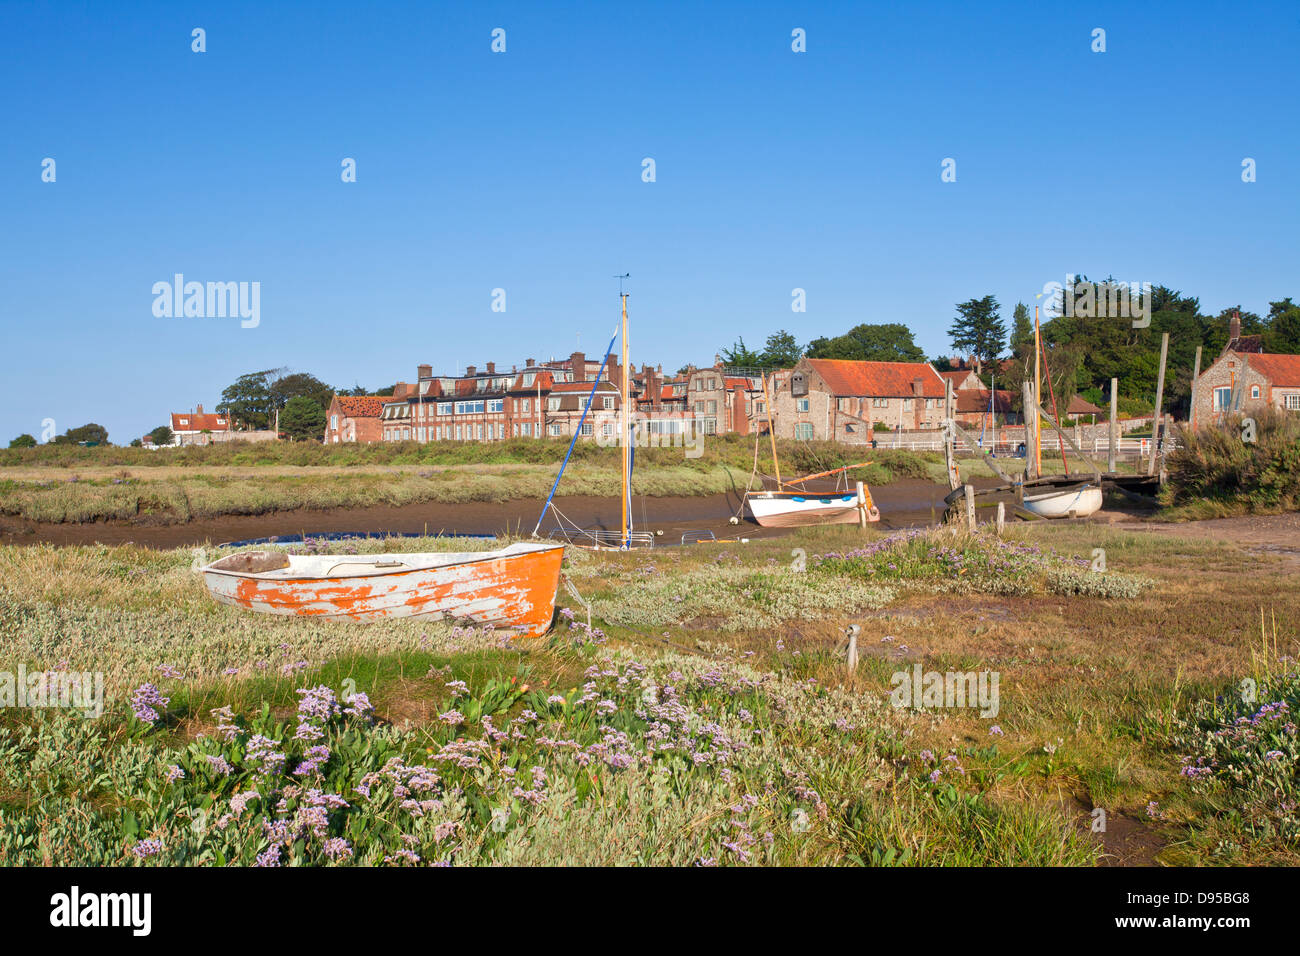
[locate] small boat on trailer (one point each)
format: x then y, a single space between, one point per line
513 587
1077 502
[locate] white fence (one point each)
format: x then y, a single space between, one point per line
1008 445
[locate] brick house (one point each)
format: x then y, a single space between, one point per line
1241 381
565 404
977 408
720 401
354 418
197 427
843 400
963 380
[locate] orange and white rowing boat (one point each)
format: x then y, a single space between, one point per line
513 587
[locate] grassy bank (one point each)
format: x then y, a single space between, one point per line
180 485
1243 465
734 451
705 717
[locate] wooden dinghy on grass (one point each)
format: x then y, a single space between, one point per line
513 587
1072 503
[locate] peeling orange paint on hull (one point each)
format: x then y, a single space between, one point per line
511 588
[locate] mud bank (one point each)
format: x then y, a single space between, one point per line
902 504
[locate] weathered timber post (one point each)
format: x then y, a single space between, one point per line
1196 373
1160 396
1113 434
970 507
1002 518
1030 401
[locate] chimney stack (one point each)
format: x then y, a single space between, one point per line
423 371
529 363
918 387
1234 327
491 368
470 371
578 365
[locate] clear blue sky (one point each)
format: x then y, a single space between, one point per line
522 171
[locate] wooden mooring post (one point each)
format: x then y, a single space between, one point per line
1196 373
1002 518
970 507
1160 397
1113 435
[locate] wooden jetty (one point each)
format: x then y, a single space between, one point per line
1141 488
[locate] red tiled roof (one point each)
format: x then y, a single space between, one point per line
878 379
362 406
1282 371
199 423
1080 406
973 400
605 386
743 384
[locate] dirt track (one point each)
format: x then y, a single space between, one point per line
1267 534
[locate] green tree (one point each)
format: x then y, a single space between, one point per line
1283 333
978 329
739 356
302 419
97 434
298 384
247 402
1022 331
886 342
1277 308
23 441
162 435
782 351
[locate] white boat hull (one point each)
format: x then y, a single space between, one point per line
513 587
785 509
1075 503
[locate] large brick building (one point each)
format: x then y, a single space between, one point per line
491 405
843 400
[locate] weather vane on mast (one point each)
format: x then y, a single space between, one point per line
625 275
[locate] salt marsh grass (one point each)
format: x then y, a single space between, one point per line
720 729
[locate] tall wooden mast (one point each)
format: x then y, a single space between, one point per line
1038 390
771 434
627 432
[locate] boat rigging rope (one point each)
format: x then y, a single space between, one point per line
577 430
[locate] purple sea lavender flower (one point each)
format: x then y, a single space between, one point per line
271 857
337 848
144 701
147 848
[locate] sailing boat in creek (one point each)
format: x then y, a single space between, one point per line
605 539
788 507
